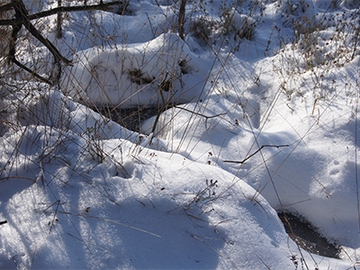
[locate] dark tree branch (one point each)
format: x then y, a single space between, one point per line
46 42
182 18
53 11
41 78
3 222
22 15
42 14
59 22
8 7
243 161
22 18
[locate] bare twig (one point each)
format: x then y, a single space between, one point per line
3 222
22 18
18 177
103 6
41 78
243 161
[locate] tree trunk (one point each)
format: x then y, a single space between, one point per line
182 18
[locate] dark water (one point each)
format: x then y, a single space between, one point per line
301 231
306 236
131 118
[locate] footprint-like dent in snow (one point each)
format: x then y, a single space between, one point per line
125 170
129 168
252 110
336 168
334 171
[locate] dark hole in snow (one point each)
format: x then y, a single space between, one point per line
122 9
306 236
130 118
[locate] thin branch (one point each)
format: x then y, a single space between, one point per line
3 222
243 161
41 78
8 6
200 114
22 18
101 6
17 177
357 186
46 42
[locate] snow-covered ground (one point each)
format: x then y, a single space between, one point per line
262 101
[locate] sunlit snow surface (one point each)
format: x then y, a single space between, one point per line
80 191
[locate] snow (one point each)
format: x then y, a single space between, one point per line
252 127
129 75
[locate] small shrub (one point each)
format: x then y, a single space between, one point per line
203 29
240 25
138 77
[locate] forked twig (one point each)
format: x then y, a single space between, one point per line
263 146
23 18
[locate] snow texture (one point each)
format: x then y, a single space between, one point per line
253 126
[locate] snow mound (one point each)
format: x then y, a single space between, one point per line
160 71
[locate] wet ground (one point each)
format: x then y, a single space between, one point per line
307 237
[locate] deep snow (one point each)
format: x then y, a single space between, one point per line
80 191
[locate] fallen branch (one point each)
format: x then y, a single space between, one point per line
243 161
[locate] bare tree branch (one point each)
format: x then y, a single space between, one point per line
22 18
101 6
3 222
248 157
8 6
41 78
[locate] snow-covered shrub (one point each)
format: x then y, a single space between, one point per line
213 170
156 72
236 20
319 44
240 25
203 29
298 8
350 3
